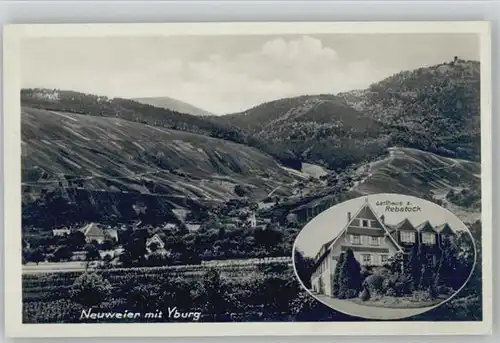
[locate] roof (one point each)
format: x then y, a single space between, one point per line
444 229
154 238
366 212
193 227
92 229
405 224
425 227
112 233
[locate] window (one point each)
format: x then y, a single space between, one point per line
374 241
384 259
355 239
428 238
365 223
407 237
366 259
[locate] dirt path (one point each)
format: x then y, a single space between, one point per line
370 312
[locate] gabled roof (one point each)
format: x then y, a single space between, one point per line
405 224
425 227
92 229
366 213
365 210
444 229
153 239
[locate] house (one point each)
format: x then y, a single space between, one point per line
446 233
61 232
94 232
156 241
373 243
170 226
25 244
112 234
252 219
193 227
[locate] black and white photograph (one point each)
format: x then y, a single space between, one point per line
214 173
395 256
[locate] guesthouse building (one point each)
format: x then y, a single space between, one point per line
373 243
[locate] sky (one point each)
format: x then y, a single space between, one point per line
227 74
329 223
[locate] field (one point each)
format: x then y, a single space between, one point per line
47 296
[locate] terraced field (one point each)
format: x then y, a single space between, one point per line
415 172
116 155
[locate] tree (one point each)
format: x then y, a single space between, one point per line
213 294
37 256
414 267
108 244
76 240
336 276
426 279
92 252
135 246
349 277
90 289
451 273
63 253
239 190
304 267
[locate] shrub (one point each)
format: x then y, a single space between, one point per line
365 272
445 290
240 191
382 271
422 296
90 289
365 294
374 284
403 285
390 292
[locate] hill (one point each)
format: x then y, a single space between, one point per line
435 108
403 171
109 165
318 129
173 105
101 106
416 109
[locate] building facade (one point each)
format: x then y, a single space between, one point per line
374 243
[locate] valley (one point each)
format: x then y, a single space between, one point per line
116 161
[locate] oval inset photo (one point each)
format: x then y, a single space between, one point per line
384 256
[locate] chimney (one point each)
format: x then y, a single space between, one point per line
382 219
348 217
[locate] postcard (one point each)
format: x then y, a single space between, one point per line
228 179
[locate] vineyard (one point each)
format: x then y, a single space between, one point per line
263 290
45 293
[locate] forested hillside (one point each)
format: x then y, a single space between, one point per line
434 109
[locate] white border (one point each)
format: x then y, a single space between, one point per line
388 196
12 196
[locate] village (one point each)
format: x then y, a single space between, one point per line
244 226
